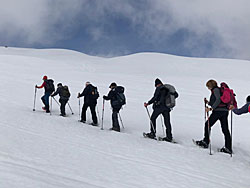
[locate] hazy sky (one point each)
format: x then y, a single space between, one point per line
214 28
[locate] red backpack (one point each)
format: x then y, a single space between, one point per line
249 108
227 95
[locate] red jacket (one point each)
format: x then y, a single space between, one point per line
43 85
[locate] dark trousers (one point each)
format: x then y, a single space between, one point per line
45 100
63 104
115 122
92 110
166 115
222 116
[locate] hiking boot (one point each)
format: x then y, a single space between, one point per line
47 111
63 115
44 108
94 124
226 150
82 121
114 129
150 135
202 144
167 139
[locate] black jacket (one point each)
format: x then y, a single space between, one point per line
88 96
112 96
158 99
59 91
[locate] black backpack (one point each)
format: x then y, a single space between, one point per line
120 98
50 85
65 92
94 93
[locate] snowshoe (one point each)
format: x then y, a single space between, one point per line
201 143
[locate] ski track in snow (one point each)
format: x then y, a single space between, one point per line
43 150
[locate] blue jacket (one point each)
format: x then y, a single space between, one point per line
242 110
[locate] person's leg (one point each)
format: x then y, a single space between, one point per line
84 109
115 121
166 115
62 107
153 118
209 123
46 100
93 113
225 130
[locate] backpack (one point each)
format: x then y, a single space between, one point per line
249 108
50 85
227 95
95 94
171 96
120 98
65 92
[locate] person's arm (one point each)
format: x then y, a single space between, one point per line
43 85
217 96
242 110
55 93
154 98
111 94
84 92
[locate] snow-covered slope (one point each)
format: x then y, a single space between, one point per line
39 150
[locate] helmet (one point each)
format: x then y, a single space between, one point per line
45 77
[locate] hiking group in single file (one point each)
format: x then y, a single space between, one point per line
221 101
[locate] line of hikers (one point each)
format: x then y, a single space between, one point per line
222 100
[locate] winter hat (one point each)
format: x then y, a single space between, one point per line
157 81
112 85
59 84
248 99
45 77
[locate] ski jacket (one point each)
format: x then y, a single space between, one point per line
59 91
215 101
158 100
87 93
243 110
112 96
44 84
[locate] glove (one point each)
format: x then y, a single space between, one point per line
36 86
145 104
205 101
105 97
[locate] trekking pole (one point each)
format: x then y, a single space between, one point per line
51 106
209 134
70 108
162 126
79 109
103 102
56 101
232 133
34 106
121 120
98 114
151 123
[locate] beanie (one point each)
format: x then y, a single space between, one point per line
157 81
112 85
45 78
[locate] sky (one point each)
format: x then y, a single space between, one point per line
196 28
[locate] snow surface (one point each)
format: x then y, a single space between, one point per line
49 151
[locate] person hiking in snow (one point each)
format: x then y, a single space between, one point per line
64 94
219 112
91 95
49 89
117 99
159 107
